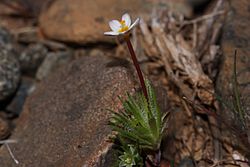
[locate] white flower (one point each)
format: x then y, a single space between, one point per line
121 27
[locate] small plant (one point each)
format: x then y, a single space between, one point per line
130 157
141 122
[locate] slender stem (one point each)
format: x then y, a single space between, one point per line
137 67
238 107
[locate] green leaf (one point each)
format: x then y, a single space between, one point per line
130 157
238 106
141 121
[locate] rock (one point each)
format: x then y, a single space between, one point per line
34 6
9 73
4 128
9 66
32 57
186 162
86 21
236 36
27 86
13 23
64 122
52 61
5 37
179 7
198 4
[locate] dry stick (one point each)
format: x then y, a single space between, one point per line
136 64
204 17
6 143
11 154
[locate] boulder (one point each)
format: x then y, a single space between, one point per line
64 122
86 21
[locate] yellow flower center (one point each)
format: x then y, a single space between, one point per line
123 26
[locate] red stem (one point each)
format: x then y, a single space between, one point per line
137 67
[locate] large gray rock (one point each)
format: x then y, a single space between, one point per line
64 122
9 66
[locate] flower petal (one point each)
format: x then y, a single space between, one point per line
111 33
134 24
124 32
114 25
127 19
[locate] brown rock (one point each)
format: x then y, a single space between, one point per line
4 128
64 122
236 36
84 21
34 6
26 10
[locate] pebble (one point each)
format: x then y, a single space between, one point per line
32 57
52 61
